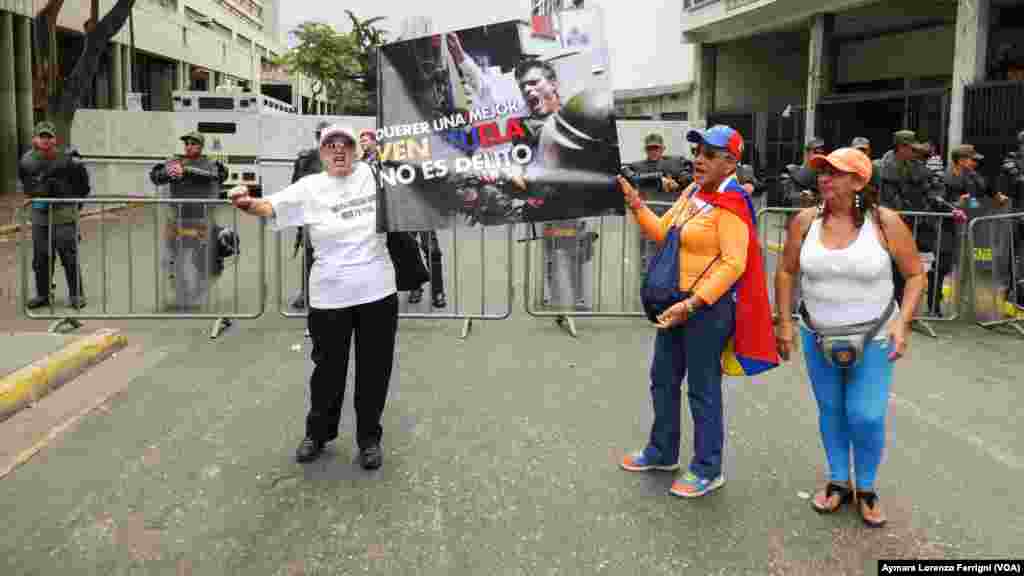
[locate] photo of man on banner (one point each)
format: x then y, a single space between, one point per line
471 124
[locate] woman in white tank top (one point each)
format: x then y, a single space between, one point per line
843 253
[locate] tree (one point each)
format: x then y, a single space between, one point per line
341 65
322 55
368 38
63 96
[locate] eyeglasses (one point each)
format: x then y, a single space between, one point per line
653 147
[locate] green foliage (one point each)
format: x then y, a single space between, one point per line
340 64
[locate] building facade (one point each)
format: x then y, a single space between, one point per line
168 45
667 102
785 70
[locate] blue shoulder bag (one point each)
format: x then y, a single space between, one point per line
660 288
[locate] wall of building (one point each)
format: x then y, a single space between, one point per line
654 107
916 54
162 28
766 72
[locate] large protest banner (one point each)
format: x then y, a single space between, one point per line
509 122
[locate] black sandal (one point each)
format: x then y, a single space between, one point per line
870 509
831 489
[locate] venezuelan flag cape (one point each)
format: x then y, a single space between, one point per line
751 350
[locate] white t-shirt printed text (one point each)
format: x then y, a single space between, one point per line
351 263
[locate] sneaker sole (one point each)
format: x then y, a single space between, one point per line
671 468
714 485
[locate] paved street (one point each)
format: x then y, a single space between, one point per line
501 454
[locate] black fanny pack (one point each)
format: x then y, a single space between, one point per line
843 346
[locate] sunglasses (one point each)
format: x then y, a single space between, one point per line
709 152
654 147
336 145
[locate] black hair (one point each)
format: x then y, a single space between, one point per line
526 65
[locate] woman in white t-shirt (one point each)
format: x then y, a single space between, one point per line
842 253
351 290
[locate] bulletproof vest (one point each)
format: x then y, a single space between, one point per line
672 166
201 178
903 184
44 177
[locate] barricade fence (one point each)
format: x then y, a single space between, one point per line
162 258
997 273
940 242
459 259
172 258
586 268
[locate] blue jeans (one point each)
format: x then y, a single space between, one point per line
851 413
692 351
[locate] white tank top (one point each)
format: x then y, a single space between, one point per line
846 286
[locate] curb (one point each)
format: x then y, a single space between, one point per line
9 229
31 383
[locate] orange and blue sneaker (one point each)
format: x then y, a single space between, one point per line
639 462
692 486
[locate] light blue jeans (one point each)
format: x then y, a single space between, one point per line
851 411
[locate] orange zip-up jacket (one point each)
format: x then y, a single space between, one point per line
712 231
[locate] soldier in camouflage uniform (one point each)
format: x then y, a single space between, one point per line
47 172
905 183
190 232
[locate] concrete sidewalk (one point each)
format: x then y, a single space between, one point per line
34 363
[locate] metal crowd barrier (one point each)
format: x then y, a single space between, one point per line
935 223
110 290
995 255
577 271
461 259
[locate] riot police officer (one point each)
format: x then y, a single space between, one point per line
1012 175
799 183
47 172
863 144
191 235
660 177
307 162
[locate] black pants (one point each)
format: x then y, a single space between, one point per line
65 246
375 325
431 249
307 262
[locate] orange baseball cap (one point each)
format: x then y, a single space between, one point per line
845 160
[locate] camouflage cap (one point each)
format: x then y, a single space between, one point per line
45 128
904 137
194 135
654 139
